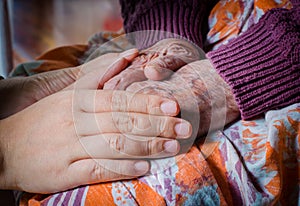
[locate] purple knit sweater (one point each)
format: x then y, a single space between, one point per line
262 65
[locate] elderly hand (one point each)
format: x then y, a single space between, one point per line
156 63
20 92
200 92
83 136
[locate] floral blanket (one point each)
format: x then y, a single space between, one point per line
253 162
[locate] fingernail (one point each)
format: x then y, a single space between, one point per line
169 107
141 167
171 146
183 129
128 52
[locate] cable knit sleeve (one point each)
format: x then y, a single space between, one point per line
262 65
181 18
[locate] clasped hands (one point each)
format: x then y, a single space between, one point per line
205 99
61 131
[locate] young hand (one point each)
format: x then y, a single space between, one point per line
60 142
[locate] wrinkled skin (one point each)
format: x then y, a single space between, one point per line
204 97
157 62
200 92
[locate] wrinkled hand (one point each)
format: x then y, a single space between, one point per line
200 92
83 136
157 62
20 92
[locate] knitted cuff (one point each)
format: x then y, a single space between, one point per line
262 65
180 19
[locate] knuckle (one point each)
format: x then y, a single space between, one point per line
108 170
152 147
162 126
184 49
141 60
168 61
97 171
166 127
149 148
135 124
149 104
117 143
140 124
123 122
119 101
130 124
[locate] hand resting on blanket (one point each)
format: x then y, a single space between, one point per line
83 135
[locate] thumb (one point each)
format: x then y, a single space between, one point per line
95 76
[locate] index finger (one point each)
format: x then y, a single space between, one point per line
96 101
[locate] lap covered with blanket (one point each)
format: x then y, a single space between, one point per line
249 163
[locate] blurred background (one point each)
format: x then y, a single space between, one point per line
39 25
